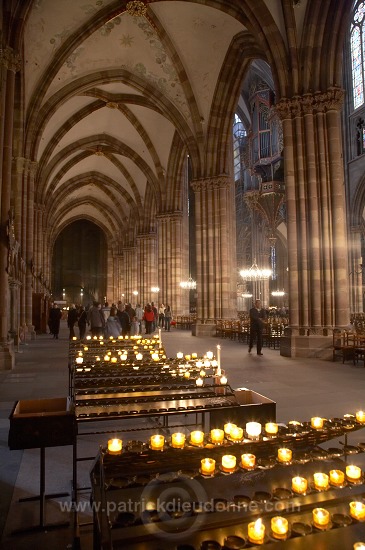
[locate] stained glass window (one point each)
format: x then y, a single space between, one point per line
239 132
357 41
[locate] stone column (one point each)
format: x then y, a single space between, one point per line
173 260
129 269
30 274
316 222
356 272
215 250
147 267
9 65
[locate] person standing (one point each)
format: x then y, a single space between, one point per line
82 322
148 318
72 316
55 315
161 316
96 319
257 321
168 317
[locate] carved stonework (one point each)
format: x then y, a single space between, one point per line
310 103
172 216
208 184
10 59
146 236
13 263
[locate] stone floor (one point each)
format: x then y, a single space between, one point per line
300 388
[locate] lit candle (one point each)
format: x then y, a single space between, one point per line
187 374
106 357
218 360
353 473
79 360
155 356
337 477
194 355
321 518
114 446
199 382
223 380
253 429
207 466
228 463
139 356
360 416
210 355
179 355
228 428
284 455
357 510
123 357
256 532
299 485
188 357
216 436
359 546
279 527
74 338
248 460
317 422
197 437
157 442
159 339
271 428
178 440
236 433
114 359
320 481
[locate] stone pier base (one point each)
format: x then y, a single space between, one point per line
307 346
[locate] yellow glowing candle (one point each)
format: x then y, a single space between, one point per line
157 442
359 546
194 355
253 429
279 527
207 466
228 463
236 433
79 360
178 440
320 481
317 422
197 437
188 357
256 532
357 510
187 374
139 356
74 338
114 359
360 416
155 356
271 428
284 455
115 446
106 357
321 518
223 380
248 460
353 473
217 436
228 428
199 382
299 485
337 477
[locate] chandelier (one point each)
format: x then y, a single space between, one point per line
277 293
155 289
190 284
255 273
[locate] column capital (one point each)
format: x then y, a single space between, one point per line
208 184
173 215
311 103
10 59
146 236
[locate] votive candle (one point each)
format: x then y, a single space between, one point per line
157 442
228 428
248 460
228 463
236 433
337 477
360 416
271 428
359 546
321 518
256 532
357 510
353 473
253 429
284 454
178 440
197 437
199 382
207 466
299 485
217 436
115 446
320 481
279 527
317 422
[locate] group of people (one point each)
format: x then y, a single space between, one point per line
119 319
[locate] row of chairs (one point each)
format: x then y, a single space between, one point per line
240 331
184 321
349 345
